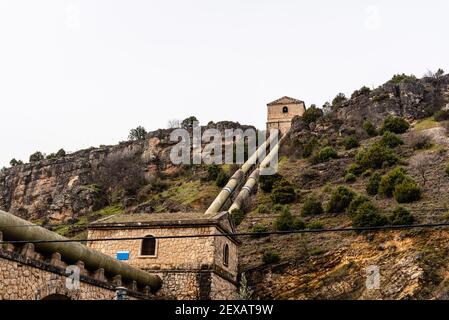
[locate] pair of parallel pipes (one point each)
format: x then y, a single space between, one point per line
233 183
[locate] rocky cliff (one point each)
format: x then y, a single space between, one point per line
69 187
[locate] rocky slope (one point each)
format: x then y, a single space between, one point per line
413 264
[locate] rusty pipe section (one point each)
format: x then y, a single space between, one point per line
15 228
237 177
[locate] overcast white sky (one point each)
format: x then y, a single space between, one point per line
77 73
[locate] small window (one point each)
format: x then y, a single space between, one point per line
285 110
226 255
148 246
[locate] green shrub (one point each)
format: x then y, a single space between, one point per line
372 187
309 147
396 125
369 128
356 203
237 216
398 78
324 155
401 217
283 192
266 182
14 162
350 178
351 142
261 208
339 99
441 115
367 173
364 90
312 206
389 181
407 191
286 222
138 133
213 171
315 225
222 179
279 208
270 257
367 215
50 156
312 114
376 157
355 169
37 156
189 123
61 153
391 140
340 199
258 231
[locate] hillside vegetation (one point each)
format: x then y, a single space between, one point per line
385 171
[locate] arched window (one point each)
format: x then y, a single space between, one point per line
285 109
148 246
226 254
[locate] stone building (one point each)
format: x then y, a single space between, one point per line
282 111
192 264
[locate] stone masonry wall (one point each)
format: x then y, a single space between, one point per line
232 266
277 119
222 289
195 285
24 282
181 253
190 268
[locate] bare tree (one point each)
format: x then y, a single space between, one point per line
118 174
420 163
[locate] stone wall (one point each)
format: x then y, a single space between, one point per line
22 278
182 253
232 267
195 285
277 119
190 268
221 289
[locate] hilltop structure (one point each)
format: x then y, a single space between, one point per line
282 111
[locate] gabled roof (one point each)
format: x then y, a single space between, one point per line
284 100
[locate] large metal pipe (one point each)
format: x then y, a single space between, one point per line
232 184
246 191
15 228
253 178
